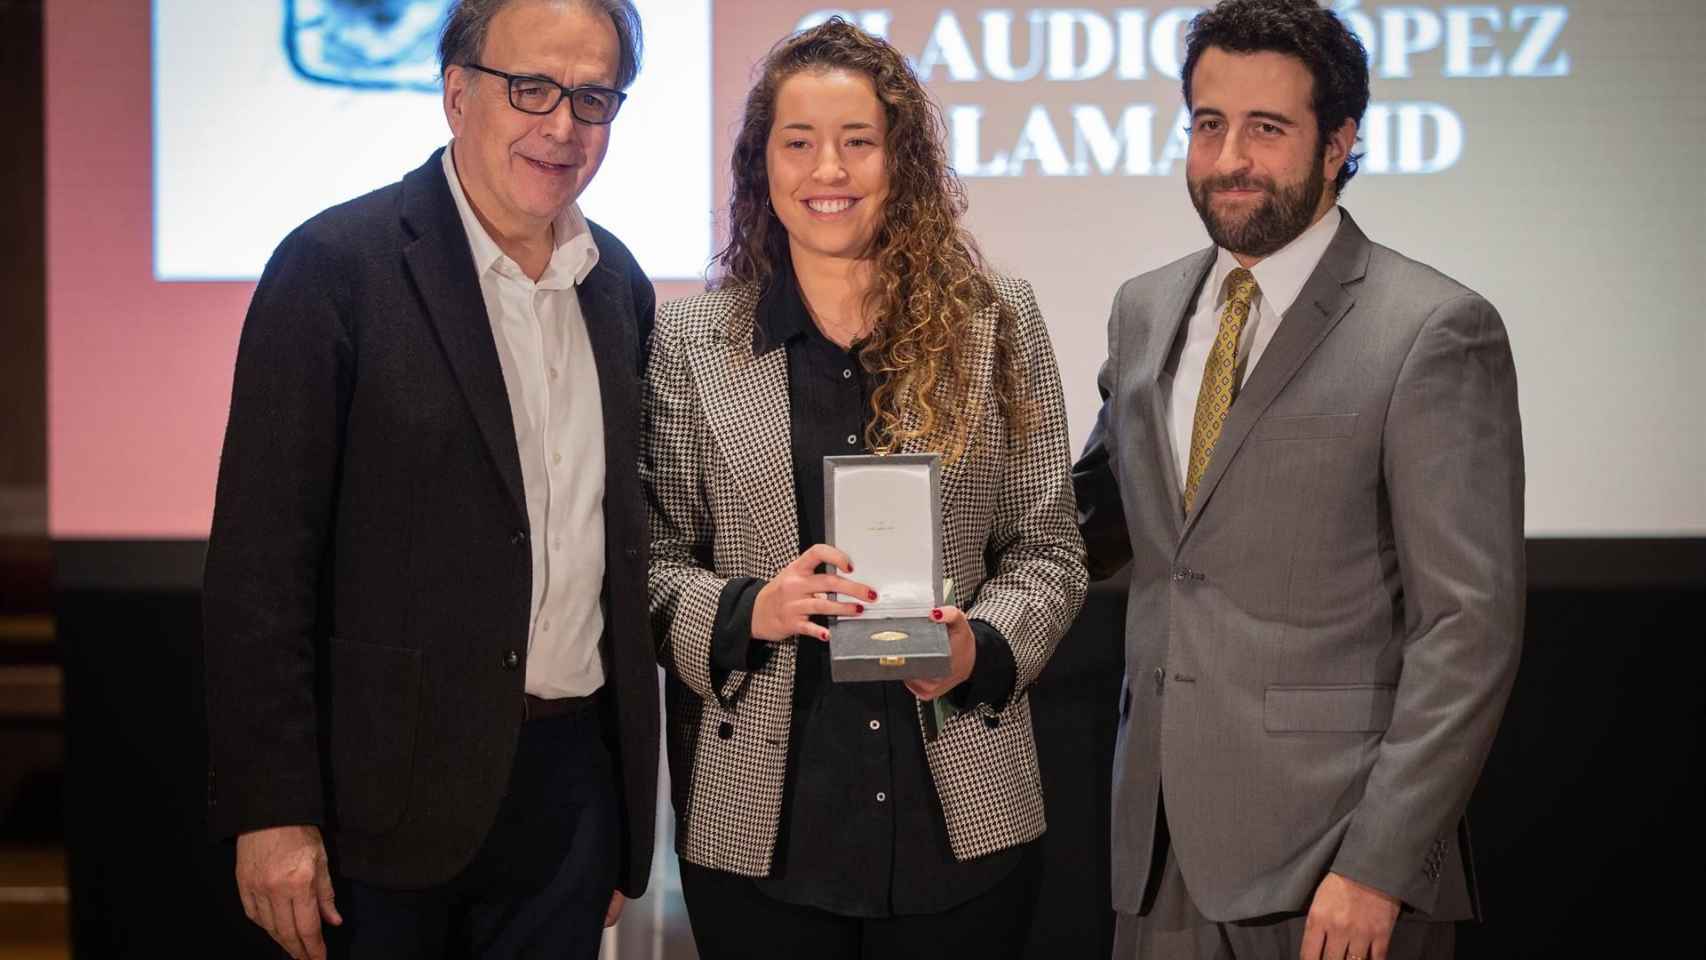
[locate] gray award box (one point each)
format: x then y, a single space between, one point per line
885 512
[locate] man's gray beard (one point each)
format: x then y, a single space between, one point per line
1281 218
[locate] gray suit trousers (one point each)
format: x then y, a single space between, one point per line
1174 929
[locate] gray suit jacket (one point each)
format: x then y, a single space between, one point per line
1318 657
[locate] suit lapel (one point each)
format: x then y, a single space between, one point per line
604 301
1173 313
1324 301
442 268
603 298
745 399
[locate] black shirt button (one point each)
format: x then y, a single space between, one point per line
632 552
725 730
518 538
511 660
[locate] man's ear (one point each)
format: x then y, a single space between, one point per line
1338 148
457 90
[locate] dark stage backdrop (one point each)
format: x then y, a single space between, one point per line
1589 805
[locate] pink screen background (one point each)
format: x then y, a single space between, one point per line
139 372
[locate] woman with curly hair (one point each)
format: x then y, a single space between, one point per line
852 314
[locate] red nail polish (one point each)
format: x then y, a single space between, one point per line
871 596
859 607
935 614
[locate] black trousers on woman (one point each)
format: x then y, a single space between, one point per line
732 918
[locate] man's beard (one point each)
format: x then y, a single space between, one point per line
1282 216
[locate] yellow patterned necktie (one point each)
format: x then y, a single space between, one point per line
1219 379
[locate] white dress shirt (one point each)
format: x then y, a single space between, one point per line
554 401
1281 278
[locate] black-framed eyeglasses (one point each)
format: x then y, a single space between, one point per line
539 96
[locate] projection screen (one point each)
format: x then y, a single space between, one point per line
1545 154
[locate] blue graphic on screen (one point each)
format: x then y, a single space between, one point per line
366 44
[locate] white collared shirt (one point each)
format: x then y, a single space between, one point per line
1281 278
554 402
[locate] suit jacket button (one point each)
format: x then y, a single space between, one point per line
992 721
1160 679
511 660
725 730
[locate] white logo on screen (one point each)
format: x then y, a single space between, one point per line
1074 45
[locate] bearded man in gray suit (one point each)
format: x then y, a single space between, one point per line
1309 452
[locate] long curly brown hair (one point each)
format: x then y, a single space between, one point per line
930 283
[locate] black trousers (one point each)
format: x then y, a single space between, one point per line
732 918
540 883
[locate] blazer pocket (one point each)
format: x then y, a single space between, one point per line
1313 427
1329 708
375 696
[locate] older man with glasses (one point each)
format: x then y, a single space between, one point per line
432 696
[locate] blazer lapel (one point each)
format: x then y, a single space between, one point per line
443 271
603 298
1324 301
745 399
1173 313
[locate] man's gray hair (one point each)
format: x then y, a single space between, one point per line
466 27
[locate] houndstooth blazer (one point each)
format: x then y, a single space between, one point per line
717 467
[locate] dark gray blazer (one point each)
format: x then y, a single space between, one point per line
1318 657
368 573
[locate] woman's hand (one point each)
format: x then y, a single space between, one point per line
962 655
787 603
